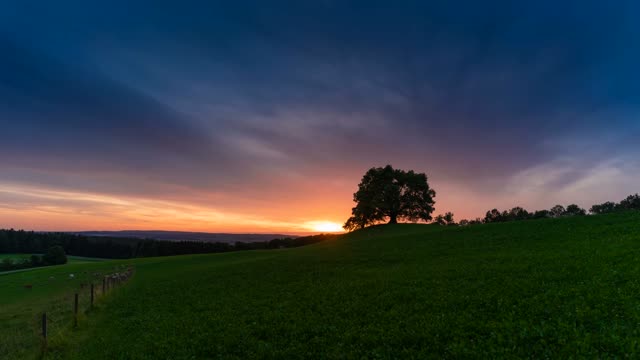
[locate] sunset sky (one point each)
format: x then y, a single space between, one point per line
262 116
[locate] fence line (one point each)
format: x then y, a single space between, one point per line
55 320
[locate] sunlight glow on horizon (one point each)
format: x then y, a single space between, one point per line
326 226
44 209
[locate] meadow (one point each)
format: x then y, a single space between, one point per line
71 259
552 288
25 294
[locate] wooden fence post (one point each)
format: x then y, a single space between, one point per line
44 329
92 295
75 310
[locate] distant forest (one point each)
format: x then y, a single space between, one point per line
630 203
29 242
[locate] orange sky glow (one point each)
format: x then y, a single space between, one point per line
222 119
307 205
54 210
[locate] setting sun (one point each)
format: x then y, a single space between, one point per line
326 226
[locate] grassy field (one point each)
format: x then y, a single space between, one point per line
72 259
18 257
539 289
51 290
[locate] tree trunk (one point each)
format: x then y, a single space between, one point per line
393 219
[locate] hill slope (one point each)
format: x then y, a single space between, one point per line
548 288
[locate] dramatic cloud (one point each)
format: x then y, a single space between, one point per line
260 113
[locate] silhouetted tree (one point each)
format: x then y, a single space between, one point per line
35 260
517 213
575 210
604 208
541 214
388 194
359 218
55 256
557 211
632 202
493 216
446 219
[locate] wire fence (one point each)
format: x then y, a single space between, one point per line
52 319
67 311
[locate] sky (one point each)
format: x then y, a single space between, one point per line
262 116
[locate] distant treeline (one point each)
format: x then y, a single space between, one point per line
631 202
29 242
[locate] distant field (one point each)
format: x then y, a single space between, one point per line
71 260
80 259
557 288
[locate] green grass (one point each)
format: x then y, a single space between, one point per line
83 259
70 260
565 288
52 290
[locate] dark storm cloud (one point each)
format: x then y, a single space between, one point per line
56 98
66 119
218 94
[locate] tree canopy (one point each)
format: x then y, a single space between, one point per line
557 211
575 210
446 219
388 194
55 255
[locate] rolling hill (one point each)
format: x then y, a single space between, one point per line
553 288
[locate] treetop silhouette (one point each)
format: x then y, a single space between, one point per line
388 194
